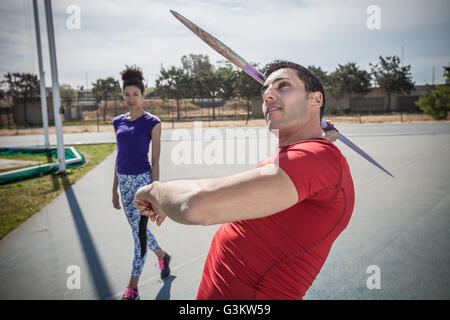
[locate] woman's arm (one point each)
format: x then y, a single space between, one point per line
115 181
156 151
115 194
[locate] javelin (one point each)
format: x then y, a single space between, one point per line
233 57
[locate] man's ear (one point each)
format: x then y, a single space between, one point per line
316 99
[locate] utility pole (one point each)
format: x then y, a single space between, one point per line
403 53
433 76
41 74
56 95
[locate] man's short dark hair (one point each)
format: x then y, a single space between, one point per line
311 81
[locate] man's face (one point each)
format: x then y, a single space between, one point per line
285 101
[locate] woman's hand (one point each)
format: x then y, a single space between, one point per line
115 200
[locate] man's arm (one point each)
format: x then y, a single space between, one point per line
252 194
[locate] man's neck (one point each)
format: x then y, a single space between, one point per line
311 131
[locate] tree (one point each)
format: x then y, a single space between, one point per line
437 103
392 77
196 64
116 94
248 88
151 93
349 80
322 75
228 77
68 95
203 80
171 84
212 87
2 92
21 87
447 74
103 90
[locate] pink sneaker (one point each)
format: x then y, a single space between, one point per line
164 266
131 294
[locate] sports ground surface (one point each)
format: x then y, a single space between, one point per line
400 226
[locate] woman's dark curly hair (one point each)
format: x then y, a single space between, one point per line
133 76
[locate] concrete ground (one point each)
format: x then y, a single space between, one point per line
400 229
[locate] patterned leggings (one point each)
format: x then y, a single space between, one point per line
128 185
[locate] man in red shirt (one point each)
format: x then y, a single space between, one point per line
280 219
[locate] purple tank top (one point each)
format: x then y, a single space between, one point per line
133 142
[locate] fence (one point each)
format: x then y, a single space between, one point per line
87 110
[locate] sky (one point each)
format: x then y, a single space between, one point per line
96 39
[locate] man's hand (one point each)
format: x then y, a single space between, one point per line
115 200
146 204
330 135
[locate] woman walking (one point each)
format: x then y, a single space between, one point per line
134 132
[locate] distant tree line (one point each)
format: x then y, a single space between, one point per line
198 79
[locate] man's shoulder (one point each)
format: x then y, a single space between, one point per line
312 165
313 148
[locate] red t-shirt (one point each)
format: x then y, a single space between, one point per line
279 256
